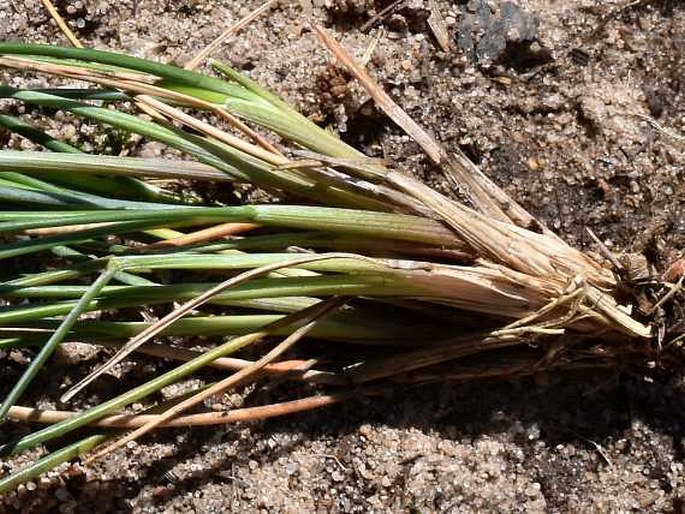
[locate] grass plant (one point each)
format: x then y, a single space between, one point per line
351 257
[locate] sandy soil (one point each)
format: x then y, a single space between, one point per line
584 126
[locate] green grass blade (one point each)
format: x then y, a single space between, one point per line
214 153
122 121
98 411
28 182
62 197
51 461
120 61
57 337
245 97
52 164
91 94
129 296
120 187
26 247
352 326
340 221
31 133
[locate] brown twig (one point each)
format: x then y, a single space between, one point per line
484 194
317 312
437 25
31 415
208 129
239 25
140 84
62 24
200 236
372 21
290 368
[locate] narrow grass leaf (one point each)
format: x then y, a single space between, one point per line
58 335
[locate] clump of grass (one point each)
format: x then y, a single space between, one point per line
356 257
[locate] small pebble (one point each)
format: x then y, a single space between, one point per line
533 490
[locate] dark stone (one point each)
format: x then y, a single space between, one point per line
580 56
655 101
503 34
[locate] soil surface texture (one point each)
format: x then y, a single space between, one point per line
576 108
